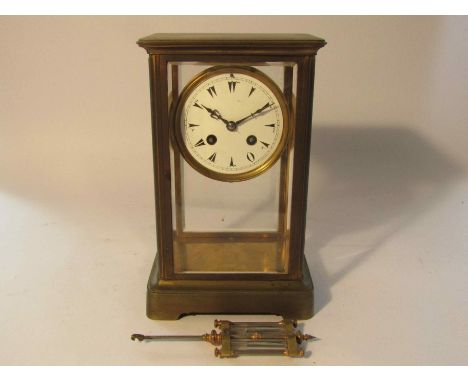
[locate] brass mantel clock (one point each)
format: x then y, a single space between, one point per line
231 118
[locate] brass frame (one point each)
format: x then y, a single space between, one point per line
203 76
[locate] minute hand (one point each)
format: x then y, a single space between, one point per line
253 114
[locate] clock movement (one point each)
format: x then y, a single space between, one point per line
231 127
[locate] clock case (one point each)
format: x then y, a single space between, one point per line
172 294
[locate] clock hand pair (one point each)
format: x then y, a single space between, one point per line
231 125
252 115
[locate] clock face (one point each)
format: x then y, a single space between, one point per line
231 123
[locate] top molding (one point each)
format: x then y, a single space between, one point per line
223 43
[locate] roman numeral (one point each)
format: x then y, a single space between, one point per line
212 91
271 125
265 144
250 157
251 91
232 86
192 125
232 163
197 105
201 142
212 157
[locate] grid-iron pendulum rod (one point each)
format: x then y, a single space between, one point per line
246 338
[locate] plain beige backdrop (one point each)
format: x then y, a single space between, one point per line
387 237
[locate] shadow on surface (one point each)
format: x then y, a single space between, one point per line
376 180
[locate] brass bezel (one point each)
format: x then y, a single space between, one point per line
205 75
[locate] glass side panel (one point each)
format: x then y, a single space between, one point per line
231 227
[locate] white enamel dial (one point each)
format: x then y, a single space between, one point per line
232 123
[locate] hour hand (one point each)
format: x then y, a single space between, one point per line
215 114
